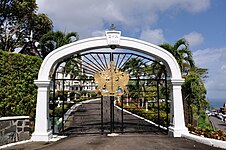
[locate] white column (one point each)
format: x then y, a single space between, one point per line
127 100
42 131
177 127
146 105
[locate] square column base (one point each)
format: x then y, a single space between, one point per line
45 137
177 132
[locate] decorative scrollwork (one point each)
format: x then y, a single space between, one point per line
111 82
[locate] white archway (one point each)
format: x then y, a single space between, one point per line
42 129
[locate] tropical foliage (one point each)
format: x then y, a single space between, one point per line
18 91
20 25
194 95
193 89
71 68
180 50
29 32
135 67
147 90
146 74
154 114
52 40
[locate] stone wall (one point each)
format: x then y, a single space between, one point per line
13 129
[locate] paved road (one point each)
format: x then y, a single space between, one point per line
87 119
147 141
217 123
122 142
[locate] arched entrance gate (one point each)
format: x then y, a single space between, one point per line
102 89
43 131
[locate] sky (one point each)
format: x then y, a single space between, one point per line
201 22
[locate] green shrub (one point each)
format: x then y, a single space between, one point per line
93 94
58 112
151 114
63 96
203 121
17 89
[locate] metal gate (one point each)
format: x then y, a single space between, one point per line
77 109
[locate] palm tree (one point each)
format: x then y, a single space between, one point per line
136 68
155 70
180 50
71 68
193 90
52 40
194 93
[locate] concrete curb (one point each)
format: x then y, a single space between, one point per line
142 118
16 143
54 139
200 139
13 118
207 141
212 124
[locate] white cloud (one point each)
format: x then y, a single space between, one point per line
98 33
214 60
92 17
88 16
195 6
194 38
153 36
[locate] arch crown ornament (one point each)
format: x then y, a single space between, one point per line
112 39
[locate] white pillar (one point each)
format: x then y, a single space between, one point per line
146 105
127 101
42 131
68 97
177 127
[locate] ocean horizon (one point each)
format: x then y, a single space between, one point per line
217 103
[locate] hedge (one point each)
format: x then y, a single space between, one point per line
17 89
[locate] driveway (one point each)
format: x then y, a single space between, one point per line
128 141
121 142
86 118
217 123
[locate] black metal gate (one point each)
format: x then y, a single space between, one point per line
76 109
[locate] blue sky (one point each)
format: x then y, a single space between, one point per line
210 23
201 22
